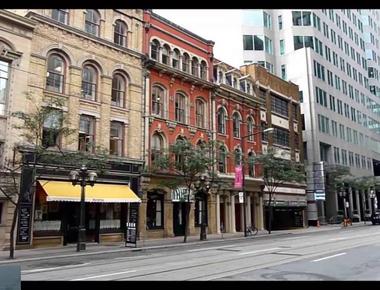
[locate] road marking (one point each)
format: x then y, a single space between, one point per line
133 257
338 239
53 268
105 275
257 251
210 248
329 257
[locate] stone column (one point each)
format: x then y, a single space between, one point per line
227 206
362 195
358 204
142 217
336 202
180 62
160 54
191 220
217 213
242 217
212 214
351 201
369 201
168 216
232 214
248 211
260 220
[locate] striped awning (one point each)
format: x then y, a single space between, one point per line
181 194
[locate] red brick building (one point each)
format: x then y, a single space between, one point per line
178 84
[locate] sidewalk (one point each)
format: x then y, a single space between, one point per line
96 249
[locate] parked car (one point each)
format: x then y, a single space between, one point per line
375 218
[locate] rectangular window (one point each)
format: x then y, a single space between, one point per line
258 41
342 133
51 128
247 42
344 157
280 22
268 45
4 76
280 106
336 155
282 47
281 137
283 72
298 42
351 158
332 103
297 18
155 211
334 127
267 20
117 138
86 133
60 15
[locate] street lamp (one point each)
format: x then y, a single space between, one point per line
342 194
203 186
83 176
268 130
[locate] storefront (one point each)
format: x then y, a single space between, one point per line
57 209
286 214
49 213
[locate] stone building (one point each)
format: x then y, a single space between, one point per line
90 59
15 49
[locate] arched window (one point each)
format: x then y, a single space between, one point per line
251 164
220 77
194 67
154 49
236 124
222 162
180 108
185 62
200 113
165 54
180 158
89 82
120 33
203 70
157 146
117 138
92 21
222 116
55 73
237 156
248 88
250 126
60 15
158 94
175 59
118 90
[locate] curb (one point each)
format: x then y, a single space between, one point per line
138 249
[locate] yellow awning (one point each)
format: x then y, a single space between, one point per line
100 192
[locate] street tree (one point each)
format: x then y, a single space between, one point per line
43 149
184 163
277 171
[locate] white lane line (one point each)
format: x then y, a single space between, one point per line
133 257
210 248
338 239
329 257
105 275
257 251
53 268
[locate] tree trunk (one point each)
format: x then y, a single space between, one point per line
12 233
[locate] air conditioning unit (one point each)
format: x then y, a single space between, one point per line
263 116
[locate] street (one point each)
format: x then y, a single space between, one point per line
339 254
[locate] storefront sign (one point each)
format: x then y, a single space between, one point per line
24 223
180 194
131 226
238 177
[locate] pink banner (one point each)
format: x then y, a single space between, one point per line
238 177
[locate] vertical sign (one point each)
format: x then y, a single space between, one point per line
319 181
25 210
238 177
131 226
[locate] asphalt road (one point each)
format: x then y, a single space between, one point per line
341 254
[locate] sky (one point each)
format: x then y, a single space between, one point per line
223 26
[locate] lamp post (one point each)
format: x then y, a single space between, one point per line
84 176
268 130
203 185
342 194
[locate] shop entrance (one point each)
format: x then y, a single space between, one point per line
179 210
71 222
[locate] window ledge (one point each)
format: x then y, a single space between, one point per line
89 102
119 108
156 229
221 134
55 93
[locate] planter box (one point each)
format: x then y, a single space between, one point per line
47 241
